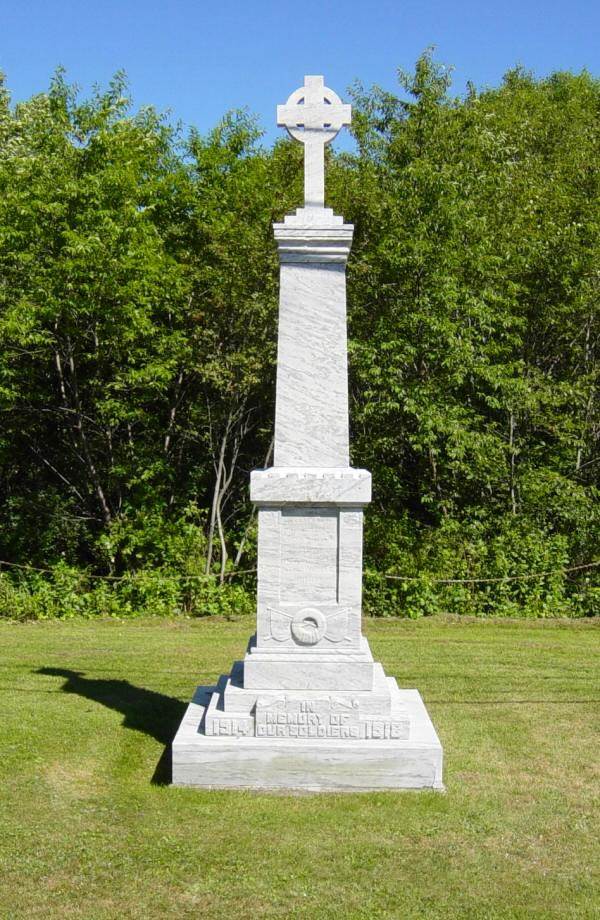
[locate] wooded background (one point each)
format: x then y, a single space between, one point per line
138 330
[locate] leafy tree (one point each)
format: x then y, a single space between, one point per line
138 306
474 289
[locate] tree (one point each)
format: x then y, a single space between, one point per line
474 318
138 307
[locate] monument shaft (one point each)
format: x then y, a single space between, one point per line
310 504
311 414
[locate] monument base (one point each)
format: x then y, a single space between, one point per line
307 764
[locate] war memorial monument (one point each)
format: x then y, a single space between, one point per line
308 708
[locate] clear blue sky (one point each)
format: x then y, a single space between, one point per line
199 59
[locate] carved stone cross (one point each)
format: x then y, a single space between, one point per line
314 115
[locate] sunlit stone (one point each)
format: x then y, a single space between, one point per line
308 708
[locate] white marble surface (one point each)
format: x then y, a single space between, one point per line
313 115
311 410
315 765
374 702
304 485
310 559
305 220
314 242
308 708
292 714
303 671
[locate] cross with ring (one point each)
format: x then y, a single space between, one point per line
314 115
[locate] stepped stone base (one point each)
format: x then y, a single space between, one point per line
333 747
320 670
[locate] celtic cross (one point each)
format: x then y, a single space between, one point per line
313 115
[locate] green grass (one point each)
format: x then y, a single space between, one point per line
89 829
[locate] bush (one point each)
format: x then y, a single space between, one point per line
492 563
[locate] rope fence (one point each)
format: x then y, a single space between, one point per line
468 581
160 575
369 574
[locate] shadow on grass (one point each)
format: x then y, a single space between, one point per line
144 711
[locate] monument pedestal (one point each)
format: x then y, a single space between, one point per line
308 708
308 763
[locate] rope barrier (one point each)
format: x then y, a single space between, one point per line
469 581
369 574
128 576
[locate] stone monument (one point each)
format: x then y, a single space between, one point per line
308 707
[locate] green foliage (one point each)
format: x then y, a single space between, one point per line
65 592
474 319
138 306
503 567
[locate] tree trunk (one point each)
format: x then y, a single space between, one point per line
512 461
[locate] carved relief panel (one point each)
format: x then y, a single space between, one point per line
309 579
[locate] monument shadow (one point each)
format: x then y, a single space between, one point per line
146 711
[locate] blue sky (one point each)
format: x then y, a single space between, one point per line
198 59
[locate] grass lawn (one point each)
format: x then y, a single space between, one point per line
90 828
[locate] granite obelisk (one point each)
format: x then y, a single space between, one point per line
308 707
